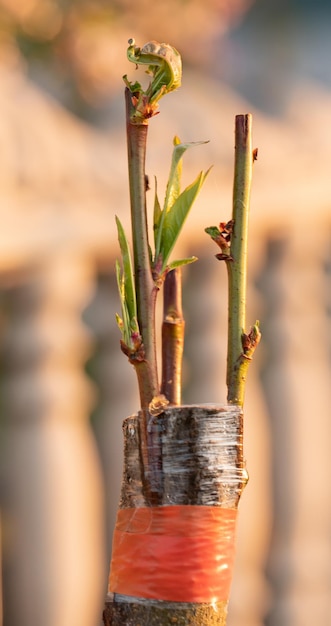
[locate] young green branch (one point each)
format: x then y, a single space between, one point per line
232 238
240 346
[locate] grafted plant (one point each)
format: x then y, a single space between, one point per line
184 470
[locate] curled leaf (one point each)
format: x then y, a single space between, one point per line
164 64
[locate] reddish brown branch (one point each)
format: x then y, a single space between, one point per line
173 329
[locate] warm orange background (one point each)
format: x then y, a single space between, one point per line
64 385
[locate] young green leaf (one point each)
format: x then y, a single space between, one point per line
156 214
122 322
213 231
175 217
173 184
127 324
164 64
181 262
129 286
173 187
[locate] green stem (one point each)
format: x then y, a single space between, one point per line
237 361
145 287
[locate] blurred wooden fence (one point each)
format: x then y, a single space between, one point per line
65 386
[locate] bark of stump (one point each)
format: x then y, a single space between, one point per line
199 462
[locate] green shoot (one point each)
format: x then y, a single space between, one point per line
232 238
169 221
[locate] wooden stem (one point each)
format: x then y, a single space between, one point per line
146 289
173 328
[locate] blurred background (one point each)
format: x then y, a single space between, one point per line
65 387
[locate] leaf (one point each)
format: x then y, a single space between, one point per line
156 215
129 286
176 216
213 231
120 282
173 185
122 322
134 325
181 262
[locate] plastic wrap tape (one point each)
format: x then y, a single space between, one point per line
174 553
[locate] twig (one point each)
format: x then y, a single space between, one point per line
146 290
240 345
173 327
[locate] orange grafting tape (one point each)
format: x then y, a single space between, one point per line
174 553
